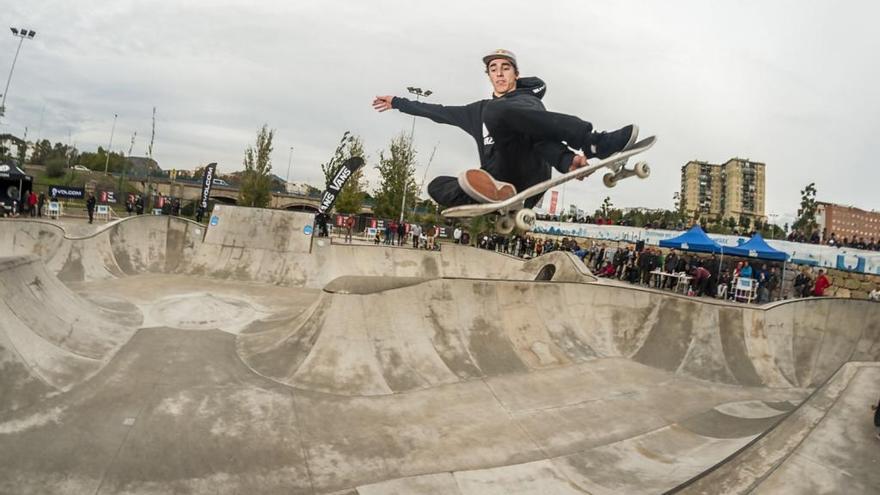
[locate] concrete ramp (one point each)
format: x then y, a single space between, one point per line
50 338
828 445
380 336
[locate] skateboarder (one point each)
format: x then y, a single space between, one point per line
517 138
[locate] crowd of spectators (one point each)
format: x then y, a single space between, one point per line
704 275
833 240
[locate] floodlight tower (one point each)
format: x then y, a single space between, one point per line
22 34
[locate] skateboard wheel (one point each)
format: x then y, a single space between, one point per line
610 180
504 224
642 170
525 219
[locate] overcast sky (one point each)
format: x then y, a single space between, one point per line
793 84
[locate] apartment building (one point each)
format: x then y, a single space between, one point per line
847 222
734 189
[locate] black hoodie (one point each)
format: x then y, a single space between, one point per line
532 159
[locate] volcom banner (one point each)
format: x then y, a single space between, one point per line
67 192
349 167
207 182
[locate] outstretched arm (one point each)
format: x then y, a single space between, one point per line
463 117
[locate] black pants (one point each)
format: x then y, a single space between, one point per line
91 214
517 126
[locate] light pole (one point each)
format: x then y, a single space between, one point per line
419 93
112 129
22 34
289 161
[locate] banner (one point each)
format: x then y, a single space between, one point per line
67 192
107 196
207 182
349 167
554 196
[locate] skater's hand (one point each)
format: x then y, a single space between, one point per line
382 103
579 161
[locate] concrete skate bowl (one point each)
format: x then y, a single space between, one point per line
407 372
618 390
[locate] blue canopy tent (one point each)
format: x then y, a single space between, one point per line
757 247
694 240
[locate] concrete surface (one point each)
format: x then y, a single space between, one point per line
150 356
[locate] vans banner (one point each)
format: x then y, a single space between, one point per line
348 168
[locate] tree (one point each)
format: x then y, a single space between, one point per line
42 152
806 221
606 206
22 152
55 167
730 223
96 161
351 197
256 180
396 176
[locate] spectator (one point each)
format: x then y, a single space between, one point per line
738 269
90 207
416 232
822 283
763 278
746 271
349 226
456 234
401 233
700 280
606 271
723 288
832 241
801 284
432 233
41 201
32 203
773 284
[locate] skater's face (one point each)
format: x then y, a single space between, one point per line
503 76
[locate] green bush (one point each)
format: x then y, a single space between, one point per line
55 168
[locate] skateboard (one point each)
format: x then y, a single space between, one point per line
513 212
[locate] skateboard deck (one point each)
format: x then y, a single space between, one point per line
514 207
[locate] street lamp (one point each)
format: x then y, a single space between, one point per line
419 93
289 161
22 34
109 146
